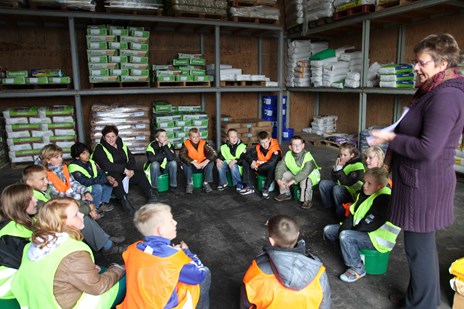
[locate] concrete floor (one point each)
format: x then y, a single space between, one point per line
227 231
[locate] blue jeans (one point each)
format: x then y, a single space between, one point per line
101 194
203 301
333 196
189 169
235 172
171 169
350 244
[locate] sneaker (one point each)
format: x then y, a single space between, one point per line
307 205
350 275
115 249
173 189
117 239
265 194
189 189
247 190
283 197
105 207
222 187
239 187
207 187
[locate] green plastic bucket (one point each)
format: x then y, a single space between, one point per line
9 304
229 179
376 263
296 191
197 180
163 183
260 180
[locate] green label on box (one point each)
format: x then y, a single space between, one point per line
200 78
97 45
167 124
100 38
137 72
133 39
36 80
135 78
103 79
197 61
97 31
138 46
101 72
197 72
140 33
119 32
121 59
14 81
98 59
136 59
21 73
118 45
22 140
140 66
102 52
63 138
59 80
166 78
119 72
103 65
180 61
26 126
129 52
184 78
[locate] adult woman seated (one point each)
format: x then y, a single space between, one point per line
71 279
114 157
18 205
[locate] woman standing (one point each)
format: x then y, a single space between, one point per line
71 279
114 157
422 147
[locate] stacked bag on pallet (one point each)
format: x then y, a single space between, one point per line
329 69
178 120
132 121
318 9
397 76
31 128
227 73
298 69
247 129
184 68
353 76
197 7
87 5
117 54
135 4
322 124
3 148
36 77
294 13
266 9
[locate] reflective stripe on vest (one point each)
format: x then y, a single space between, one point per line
357 186
225 151
146 166
265 291
57 182
33 287
158 286
41 196
196 154
108 153
6 273
273 147
77 168
384 238
291 164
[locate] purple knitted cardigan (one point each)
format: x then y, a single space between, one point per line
424 180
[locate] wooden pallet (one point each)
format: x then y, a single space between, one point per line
326 143
121 85
382 6
178 13
320 22
255 20
183 84
268 3
243 83
354 11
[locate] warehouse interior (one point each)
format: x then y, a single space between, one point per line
226 229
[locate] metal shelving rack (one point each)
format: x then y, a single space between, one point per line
393 16
202 25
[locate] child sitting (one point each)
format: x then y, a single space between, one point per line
374 157
161 160
347 175
285 275
229 159
89 174
262 159
366 227
297 167
160 275
197 156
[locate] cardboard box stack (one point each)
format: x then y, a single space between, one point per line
178 120
31 128
397 76
132 121
184 68
247 128
117 54
36 77
322 124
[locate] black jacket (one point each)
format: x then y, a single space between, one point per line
119 157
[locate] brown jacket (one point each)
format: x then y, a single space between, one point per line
77 274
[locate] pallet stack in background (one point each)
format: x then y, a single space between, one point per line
36 77
132 121
178 120
257 10
197 8
247 129
29 129
117 54
184 68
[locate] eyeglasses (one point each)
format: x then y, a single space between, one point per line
421 63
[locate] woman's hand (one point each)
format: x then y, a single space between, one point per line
380 137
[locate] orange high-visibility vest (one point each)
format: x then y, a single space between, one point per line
152 279
273 147
57 182
265 291
196 154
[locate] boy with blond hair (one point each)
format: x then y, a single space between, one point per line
197 156
161 275
230 159
296 279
